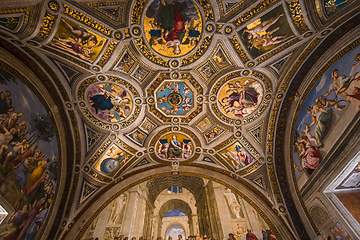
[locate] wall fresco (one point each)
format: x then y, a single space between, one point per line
331 103
28 159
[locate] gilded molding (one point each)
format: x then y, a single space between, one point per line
193 82
198 53
108 53
46 26
137 10
157 136
225 143
76 136
264 79
319 11
18 10
249 147
155 84
271 129
258 113
68 57
218 113
158 114
236 44
101 150
86 20
130 87
125 146
149 55
274 183
99 177
83 86
132 119
254 11
209 15
297 16
192 114
192 135
89 115
249 169
277 50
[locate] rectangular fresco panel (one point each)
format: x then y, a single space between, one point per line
28 159
266 32
78 41
112 160
329 107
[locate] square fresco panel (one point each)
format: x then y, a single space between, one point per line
266 32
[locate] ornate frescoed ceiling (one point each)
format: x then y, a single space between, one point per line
172 89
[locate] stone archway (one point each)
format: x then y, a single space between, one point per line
185 222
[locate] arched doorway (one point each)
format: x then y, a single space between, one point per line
174 231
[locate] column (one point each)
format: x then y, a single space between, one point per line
140 217
130 214
155 227
223 210
102 222
195 224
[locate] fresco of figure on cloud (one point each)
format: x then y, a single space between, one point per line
172 27
239 98
27 179
333 100
110 102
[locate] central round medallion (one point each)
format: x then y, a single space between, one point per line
172 27
175 99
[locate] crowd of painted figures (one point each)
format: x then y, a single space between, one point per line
25 180
266 235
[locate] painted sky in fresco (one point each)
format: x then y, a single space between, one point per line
25 101
174 213
174 231
344 66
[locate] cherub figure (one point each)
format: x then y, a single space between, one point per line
156 34
324 102
252 35
193 33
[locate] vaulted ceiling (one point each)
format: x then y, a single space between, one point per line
119 86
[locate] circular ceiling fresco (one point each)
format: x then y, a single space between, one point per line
172 27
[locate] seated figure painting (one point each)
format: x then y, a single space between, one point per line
174 146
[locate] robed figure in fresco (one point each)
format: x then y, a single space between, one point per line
172 21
